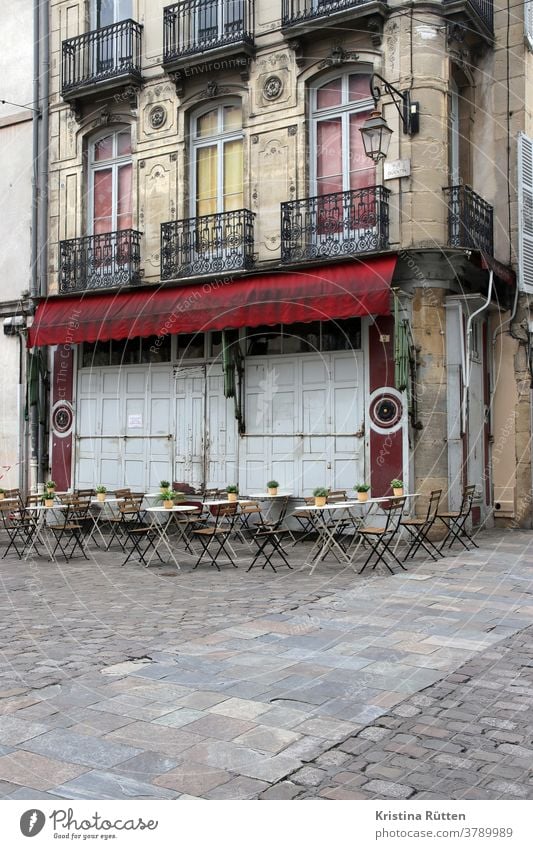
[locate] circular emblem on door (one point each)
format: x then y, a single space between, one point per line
62 418
385 410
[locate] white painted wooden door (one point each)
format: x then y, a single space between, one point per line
124 427
303 415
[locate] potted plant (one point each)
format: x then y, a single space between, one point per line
397 487
272 487
320 495
2 493
101 493
233 492
164 485
50 486
362 490
167 497
48 498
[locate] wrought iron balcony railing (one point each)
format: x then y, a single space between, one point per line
335 225
470 220
108 53
194 26
210 244
298 11
105 261
482 9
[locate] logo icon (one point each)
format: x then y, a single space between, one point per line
32 822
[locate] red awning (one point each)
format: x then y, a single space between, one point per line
355 288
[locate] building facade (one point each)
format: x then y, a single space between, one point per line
236 292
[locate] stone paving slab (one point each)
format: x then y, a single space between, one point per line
36 771
76 748
294 664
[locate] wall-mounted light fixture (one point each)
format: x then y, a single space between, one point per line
375 131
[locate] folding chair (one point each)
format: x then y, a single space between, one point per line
268 539
455 521
380 539
419 528
187 522
69 533
115 522
18 526
140 536
247 511
15 494
305 520
84 493
217 534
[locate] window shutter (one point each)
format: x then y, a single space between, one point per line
525 212
528 23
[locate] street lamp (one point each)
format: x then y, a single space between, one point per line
375 132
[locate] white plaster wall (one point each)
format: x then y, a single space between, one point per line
16 52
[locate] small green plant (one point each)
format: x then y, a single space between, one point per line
232 488
166 495
50 485
362 487
164 484
47 497
101 489
272 484
321 492
2 491
396 484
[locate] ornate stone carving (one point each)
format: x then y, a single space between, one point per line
292 130
338 56
211 89
296 45
157 117
375 29
272 88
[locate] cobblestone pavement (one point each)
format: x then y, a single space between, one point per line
124 682
468 737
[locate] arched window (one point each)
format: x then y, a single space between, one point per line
217 160
339 107
110 176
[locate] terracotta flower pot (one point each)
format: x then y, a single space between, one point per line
101 496
397 490
168 504
48 502
272 490
233 496
320 500
1 496
362 496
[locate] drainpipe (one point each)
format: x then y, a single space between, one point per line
471 318
44 78
34 285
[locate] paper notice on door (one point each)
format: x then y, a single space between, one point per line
135 420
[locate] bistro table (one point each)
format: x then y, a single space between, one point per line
161 527
40 528
326 541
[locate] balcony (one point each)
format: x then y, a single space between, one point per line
203 31
335 225
470 220
210 244
105 261
474 17
299 17
102 59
